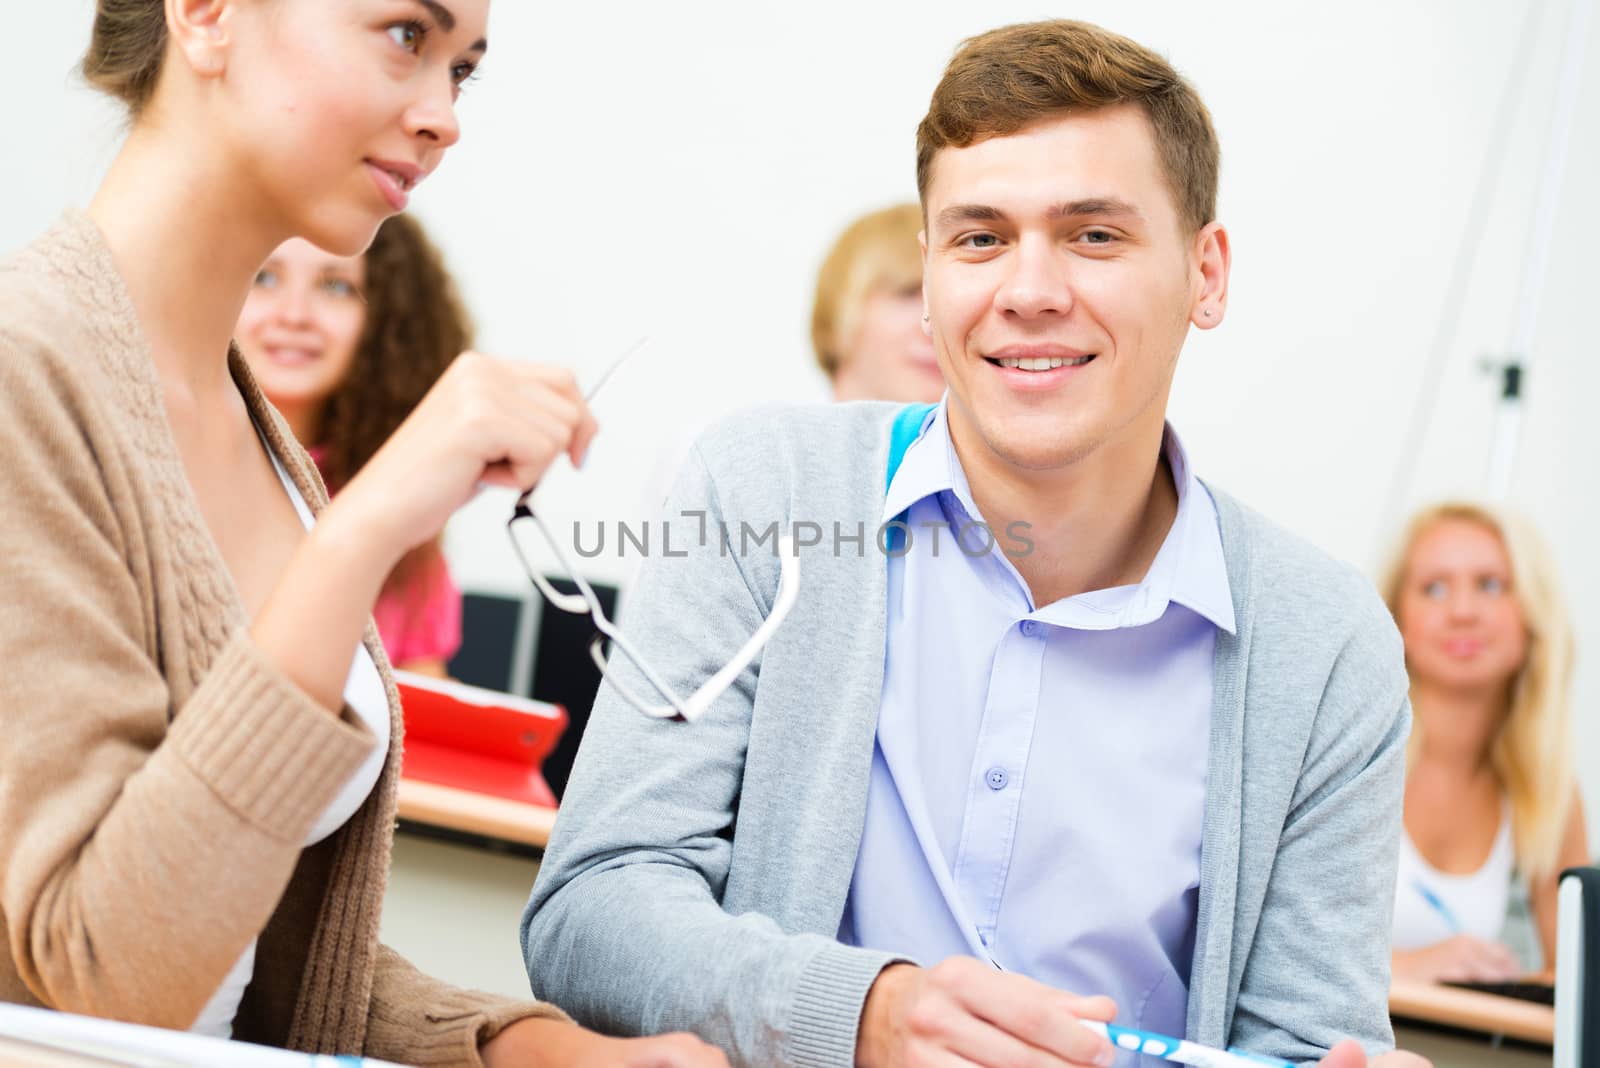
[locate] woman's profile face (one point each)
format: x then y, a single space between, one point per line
302 323
334 112
1459 616
888 356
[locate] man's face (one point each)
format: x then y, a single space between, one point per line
1060 283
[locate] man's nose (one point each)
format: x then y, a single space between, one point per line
1038 280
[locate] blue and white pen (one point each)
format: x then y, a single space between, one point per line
1436 903
1180 1051
1177 1050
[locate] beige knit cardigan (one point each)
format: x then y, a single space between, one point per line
158 775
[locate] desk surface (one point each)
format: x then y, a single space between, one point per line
474 813
1472 1010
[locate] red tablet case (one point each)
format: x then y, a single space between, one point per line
476 739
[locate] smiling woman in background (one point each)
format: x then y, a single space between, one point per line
1490 788
867 327
345 347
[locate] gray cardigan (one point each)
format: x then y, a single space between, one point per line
697 873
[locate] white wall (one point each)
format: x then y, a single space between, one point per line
678 171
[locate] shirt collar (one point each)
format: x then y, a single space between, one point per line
1189 569
1199 570
925 469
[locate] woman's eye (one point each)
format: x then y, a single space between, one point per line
408 35
462 73
1491 584
1434 590
266 278
339 287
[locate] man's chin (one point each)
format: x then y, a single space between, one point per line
1038 452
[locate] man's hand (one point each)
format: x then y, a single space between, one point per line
964 1011
1348 1054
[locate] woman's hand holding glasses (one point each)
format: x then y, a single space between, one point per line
486 421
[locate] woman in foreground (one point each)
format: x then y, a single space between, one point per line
197 775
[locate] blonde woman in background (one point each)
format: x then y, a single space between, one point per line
1490 787
866 319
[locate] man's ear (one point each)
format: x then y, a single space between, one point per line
198 30
1213 258
922 244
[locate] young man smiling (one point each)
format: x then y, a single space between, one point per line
1149 771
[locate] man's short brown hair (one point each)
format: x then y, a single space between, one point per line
1004 80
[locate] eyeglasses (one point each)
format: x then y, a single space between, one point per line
665 704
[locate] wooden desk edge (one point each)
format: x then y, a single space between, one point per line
463 810
1473 1010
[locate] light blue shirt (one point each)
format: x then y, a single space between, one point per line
1038 783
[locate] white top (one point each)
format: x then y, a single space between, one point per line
1473 904
364 692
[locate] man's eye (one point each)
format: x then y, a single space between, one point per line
1099 237
408 35
981 241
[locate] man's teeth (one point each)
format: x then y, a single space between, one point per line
1042 363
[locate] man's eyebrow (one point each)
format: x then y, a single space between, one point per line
1094 206
447 22
960 213
1102 206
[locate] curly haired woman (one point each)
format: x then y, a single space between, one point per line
345 347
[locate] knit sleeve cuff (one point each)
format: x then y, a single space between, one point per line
827 1006
456 1027
272 754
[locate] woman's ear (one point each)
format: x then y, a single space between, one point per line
198 31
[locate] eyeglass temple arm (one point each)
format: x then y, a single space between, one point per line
708 691
584 602
576 603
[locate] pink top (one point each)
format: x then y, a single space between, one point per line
421 621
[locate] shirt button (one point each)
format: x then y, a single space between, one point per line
1031 628
996 778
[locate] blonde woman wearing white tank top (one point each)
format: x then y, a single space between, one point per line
1432 906
1491 802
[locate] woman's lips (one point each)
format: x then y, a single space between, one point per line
391 185
286 356
1463 648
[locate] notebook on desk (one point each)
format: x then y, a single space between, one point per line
49 1039
1523 990
475 739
